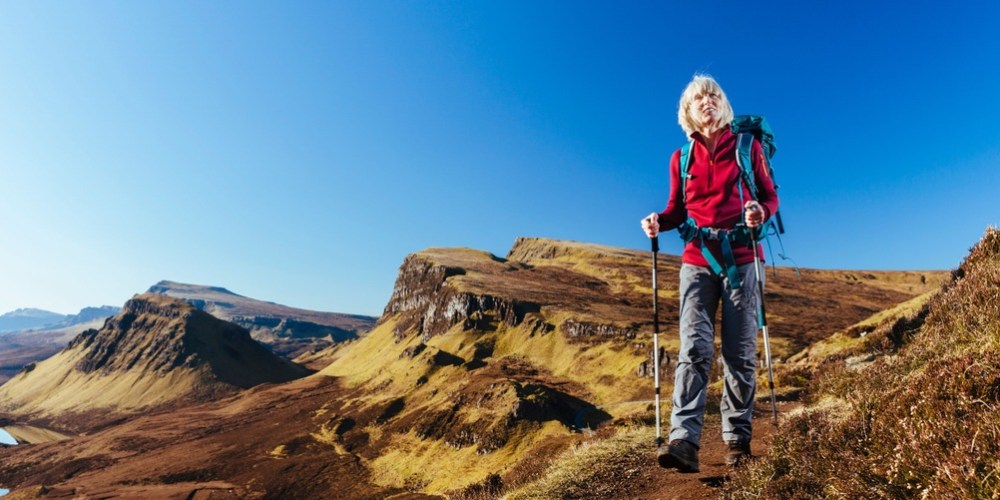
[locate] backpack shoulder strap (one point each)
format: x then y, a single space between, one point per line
685 169
744 158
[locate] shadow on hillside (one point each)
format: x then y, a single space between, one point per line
541 403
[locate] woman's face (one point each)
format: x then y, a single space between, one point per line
705 107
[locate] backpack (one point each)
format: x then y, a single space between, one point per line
746 128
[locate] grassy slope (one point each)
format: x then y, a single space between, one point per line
599 372
434 466
26 434
55 386
908 410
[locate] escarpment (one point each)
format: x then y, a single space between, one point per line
430 295
438 289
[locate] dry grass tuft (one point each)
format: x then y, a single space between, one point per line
587 470
923 417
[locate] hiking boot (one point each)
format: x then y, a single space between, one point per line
680 455
737 453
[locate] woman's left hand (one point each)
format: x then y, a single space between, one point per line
754 213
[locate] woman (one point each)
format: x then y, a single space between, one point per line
708 207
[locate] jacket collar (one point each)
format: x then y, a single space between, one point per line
725 136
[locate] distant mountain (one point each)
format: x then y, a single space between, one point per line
39 319
288 331
156 350
21 348
27 318
87 315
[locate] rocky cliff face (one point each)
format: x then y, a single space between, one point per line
156 334
124 342
429 301
440 288
599 331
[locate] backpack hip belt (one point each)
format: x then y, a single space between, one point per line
740 235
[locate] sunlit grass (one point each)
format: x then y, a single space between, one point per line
433 466
576 472
921 420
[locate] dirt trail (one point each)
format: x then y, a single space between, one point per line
648 481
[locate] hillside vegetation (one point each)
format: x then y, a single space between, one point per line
485 376
904 405
480 366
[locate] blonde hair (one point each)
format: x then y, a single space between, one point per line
702 84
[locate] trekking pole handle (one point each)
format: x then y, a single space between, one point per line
656 243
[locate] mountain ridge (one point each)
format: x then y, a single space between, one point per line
40 319
288 331
156 350
27 318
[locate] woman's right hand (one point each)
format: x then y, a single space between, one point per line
651 225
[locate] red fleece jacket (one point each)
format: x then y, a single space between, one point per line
712 197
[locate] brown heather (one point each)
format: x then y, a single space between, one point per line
920 420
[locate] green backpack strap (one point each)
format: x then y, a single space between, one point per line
744 158
744 151
758 127
685 170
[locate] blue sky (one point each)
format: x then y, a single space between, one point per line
298 151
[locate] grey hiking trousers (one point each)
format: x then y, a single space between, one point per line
700 294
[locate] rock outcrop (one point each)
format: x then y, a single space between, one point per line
428 301
599 331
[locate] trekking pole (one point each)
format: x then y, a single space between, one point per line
763 326
656 341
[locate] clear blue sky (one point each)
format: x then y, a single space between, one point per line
298 151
